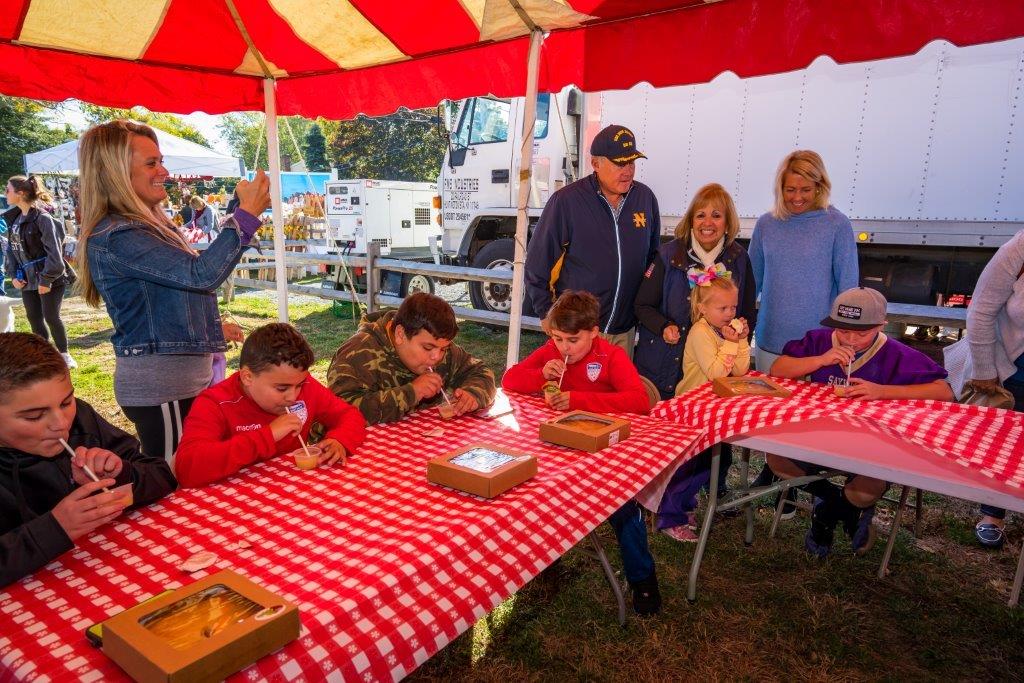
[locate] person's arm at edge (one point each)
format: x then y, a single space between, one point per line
938 390
993 290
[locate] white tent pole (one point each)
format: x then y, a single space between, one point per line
274 157
522 215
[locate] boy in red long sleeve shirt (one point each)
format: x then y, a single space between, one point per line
598 376
255 414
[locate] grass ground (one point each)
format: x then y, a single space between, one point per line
765 612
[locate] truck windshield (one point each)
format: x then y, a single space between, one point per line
486 120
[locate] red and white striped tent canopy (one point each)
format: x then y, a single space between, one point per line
338 58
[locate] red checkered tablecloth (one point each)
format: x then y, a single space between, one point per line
385 567
987 440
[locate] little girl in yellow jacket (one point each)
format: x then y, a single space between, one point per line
716 346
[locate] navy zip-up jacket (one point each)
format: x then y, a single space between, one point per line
578 245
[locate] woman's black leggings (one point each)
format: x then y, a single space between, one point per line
159 427
43 311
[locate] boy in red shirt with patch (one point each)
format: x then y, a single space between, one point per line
589 372
592 374
255 414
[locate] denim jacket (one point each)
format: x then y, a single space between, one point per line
161 298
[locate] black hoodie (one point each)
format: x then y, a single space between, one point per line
31 486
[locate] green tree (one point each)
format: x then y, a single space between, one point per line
400 146
169 123
245 134
23 130
316 149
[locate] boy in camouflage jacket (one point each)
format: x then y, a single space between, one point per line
400 360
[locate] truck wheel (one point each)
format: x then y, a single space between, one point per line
416 282
490 296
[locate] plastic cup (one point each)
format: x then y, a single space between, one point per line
840 390
304 461
446 411
124 494
551 388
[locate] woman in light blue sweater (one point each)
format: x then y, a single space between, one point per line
995 333
803 254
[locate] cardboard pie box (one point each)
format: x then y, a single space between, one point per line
746 385
584 431
205 631
481 469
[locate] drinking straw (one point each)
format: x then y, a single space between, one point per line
308 454
446 399
88 471
565 367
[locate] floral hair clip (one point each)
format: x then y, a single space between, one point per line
702 277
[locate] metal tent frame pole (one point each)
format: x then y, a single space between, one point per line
522 215
274 157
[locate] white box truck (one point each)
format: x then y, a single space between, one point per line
925 153
400 217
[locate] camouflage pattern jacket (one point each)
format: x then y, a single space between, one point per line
367 372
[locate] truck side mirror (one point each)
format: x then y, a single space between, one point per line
457 156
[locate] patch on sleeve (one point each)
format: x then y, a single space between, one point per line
650 271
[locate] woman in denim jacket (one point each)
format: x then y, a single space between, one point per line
159 292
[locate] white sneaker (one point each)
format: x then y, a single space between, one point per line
69 360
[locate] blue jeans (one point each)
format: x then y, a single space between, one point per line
628 523
1017 389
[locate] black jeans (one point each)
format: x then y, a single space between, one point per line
1017 389
43 311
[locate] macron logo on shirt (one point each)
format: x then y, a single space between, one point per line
247 428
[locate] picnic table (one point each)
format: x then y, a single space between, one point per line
385 567
964 451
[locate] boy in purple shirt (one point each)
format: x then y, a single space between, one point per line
852 354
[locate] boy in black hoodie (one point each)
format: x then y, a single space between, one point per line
46 498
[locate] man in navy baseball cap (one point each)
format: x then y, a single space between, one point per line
617 144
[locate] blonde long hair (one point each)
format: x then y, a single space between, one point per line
105 177
808 165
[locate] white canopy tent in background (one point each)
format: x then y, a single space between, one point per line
181 158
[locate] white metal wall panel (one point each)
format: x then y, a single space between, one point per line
665 139
715 139
894 146
830 124
969 134
772 116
